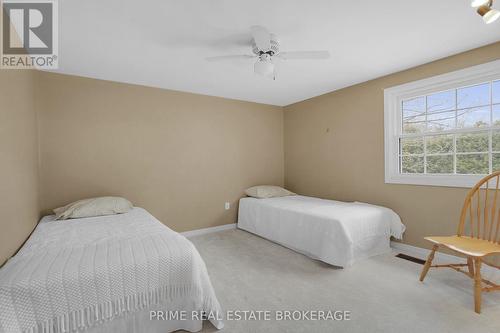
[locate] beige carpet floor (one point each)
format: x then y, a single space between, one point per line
382 293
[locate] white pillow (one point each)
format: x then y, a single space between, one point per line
267 191
93 207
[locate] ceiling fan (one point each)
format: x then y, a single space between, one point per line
266 50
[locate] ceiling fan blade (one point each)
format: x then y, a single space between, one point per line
304 55
262 38
230 57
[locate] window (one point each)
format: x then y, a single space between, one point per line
444 130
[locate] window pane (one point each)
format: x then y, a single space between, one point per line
496 162
472 164
414 115
441 121
473 96
496 115
441 101
439 144
417 126
472 143
495 141
412 164
414 106
440 164
496 92
412 146
477 117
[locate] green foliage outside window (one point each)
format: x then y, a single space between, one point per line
471 158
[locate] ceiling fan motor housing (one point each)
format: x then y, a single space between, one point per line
275 47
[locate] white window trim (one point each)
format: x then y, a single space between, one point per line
393 98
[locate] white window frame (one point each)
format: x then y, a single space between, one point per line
393 99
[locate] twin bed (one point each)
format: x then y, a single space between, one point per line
110 273
105 274
338 233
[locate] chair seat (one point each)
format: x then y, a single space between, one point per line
469 246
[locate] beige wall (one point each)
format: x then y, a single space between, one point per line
334 148
19 209
179 155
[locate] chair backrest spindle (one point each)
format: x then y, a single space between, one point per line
478 224
495 239
486 221
493 210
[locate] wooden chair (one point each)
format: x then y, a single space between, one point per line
480 221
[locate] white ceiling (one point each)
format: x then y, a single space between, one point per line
163 43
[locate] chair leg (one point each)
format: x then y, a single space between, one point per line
470 265
477 285
428 263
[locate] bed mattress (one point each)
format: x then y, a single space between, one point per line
338 233
105 274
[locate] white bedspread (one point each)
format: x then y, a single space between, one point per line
338 233
74 274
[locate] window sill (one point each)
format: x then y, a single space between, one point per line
463 181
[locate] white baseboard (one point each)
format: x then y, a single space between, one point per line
204 231
488 272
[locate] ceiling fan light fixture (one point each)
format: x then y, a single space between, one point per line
490 16
264 67
479 3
